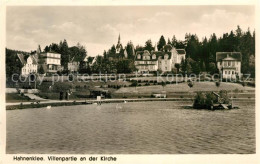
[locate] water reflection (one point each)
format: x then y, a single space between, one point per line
143 127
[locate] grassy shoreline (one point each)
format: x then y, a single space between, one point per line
88 102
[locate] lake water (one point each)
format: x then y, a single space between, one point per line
131 128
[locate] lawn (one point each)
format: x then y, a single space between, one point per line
15 97
183 87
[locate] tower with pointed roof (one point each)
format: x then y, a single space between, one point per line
119 46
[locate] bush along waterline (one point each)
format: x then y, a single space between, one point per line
213 100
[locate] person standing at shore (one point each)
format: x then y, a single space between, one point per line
61 95
67 94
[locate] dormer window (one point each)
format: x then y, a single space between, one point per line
147 57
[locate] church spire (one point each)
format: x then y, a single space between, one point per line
119 38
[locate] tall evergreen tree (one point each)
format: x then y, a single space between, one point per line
174 41
130 50
161 43
149 45
65 56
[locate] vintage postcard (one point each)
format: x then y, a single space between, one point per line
129 82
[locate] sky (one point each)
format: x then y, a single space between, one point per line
97 27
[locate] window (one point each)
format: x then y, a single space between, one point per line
229 63
139 56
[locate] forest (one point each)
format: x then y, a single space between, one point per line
200 54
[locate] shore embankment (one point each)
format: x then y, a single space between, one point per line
40 104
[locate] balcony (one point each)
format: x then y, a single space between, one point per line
229 67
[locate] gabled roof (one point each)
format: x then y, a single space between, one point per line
34 60
181 51
162 54
159 54
72 60
229 58
49 52
21 58
119 45
222 55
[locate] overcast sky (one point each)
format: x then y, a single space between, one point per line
97 28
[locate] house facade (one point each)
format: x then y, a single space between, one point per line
229 64
145 62
164 60
51 61
29 64
73 65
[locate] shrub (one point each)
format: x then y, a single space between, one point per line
108 95
190 84
134 83
224 96
205 100
57 87
217 84
243 83
236 90
199 101
210 100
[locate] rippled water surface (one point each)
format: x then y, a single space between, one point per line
138 127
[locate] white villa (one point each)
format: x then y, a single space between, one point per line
229 64
159 60
29 64
52 61
73 65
